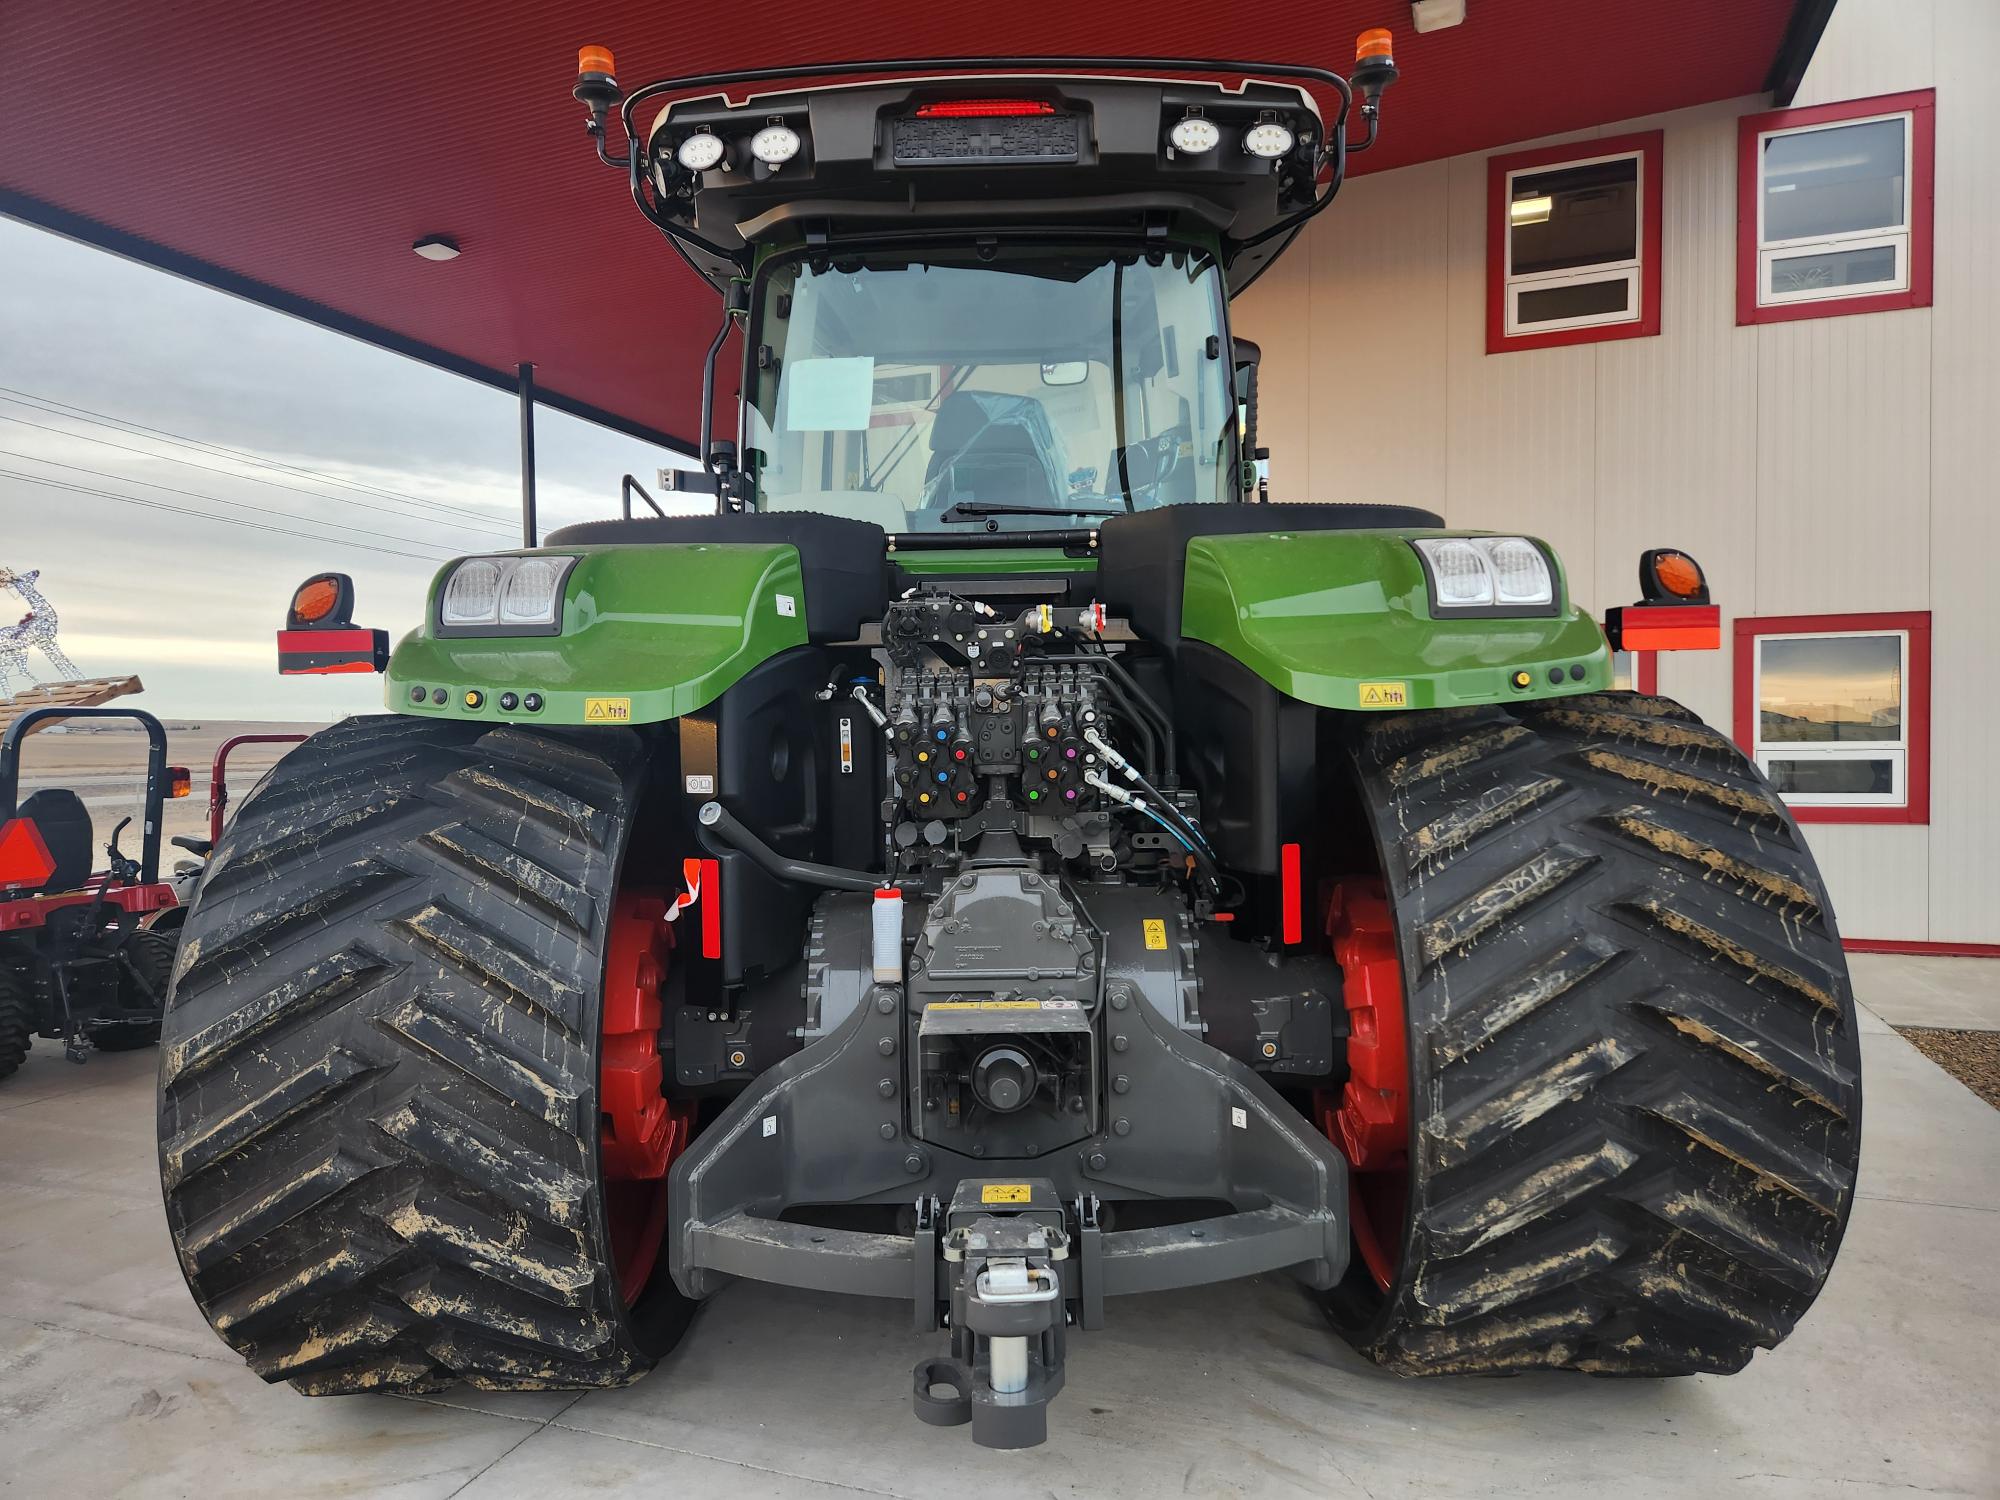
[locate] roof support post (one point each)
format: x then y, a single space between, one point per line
526 372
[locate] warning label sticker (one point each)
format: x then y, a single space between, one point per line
1003 1192
987 1005
1156 934
607 710
1385 695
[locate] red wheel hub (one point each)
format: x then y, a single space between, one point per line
642 1130
1370 1119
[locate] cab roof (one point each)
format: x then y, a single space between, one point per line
1047 155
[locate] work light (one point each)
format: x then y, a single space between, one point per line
1267 139
774 144
699 151
1194 135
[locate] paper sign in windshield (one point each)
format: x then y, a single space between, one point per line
829 395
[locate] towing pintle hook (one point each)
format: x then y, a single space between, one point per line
1008 1243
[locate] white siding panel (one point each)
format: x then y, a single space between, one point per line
1677 414
1522 428
1378 331
1843 464
1965 482
1272 314
1878 876
1874 47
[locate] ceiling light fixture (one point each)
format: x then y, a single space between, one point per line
1436 15
437 247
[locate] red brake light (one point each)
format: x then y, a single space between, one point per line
25 861
982 109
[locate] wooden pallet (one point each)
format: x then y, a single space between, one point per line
84 692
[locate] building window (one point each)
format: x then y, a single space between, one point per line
1835 710
1573 243
1834 209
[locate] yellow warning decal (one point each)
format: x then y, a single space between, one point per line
607 710
1156 934
1385 695
984 1005
1003 1192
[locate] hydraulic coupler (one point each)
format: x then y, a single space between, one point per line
1008 1243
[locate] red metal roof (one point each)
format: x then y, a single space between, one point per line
294 152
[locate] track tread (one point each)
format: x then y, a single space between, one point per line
377 1102
1632 1037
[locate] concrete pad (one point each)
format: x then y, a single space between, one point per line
1241 1389
86 1416
561 1462
1958 994
1925 1137
110 1383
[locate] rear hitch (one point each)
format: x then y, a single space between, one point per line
1009 1244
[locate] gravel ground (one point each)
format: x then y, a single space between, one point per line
1972 1057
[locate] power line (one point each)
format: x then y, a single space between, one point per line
44 404
228 474
153 484
202 515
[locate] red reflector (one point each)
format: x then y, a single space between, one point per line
982 109
711 908
1294 912
25 861
1665 627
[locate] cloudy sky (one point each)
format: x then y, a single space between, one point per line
174 461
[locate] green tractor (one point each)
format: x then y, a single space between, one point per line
993 861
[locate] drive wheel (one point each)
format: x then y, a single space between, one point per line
145 965
1630 1108
17 1018
386 1120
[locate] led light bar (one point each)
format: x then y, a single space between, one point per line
983 109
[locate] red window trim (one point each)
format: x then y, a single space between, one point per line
1921 945
1917 766
1922 107
1650 146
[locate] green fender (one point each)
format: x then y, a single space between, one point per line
1342 619
648 633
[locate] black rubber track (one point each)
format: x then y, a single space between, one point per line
378 1115
17 1018
1636 1078
145 964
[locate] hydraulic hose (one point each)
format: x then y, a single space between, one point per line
719 827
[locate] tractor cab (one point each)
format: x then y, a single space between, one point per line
992 304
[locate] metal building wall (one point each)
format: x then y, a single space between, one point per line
1821 466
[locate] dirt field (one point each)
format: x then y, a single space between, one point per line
106 766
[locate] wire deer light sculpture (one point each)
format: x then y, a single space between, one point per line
36 631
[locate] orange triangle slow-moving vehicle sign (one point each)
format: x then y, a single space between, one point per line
25 861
